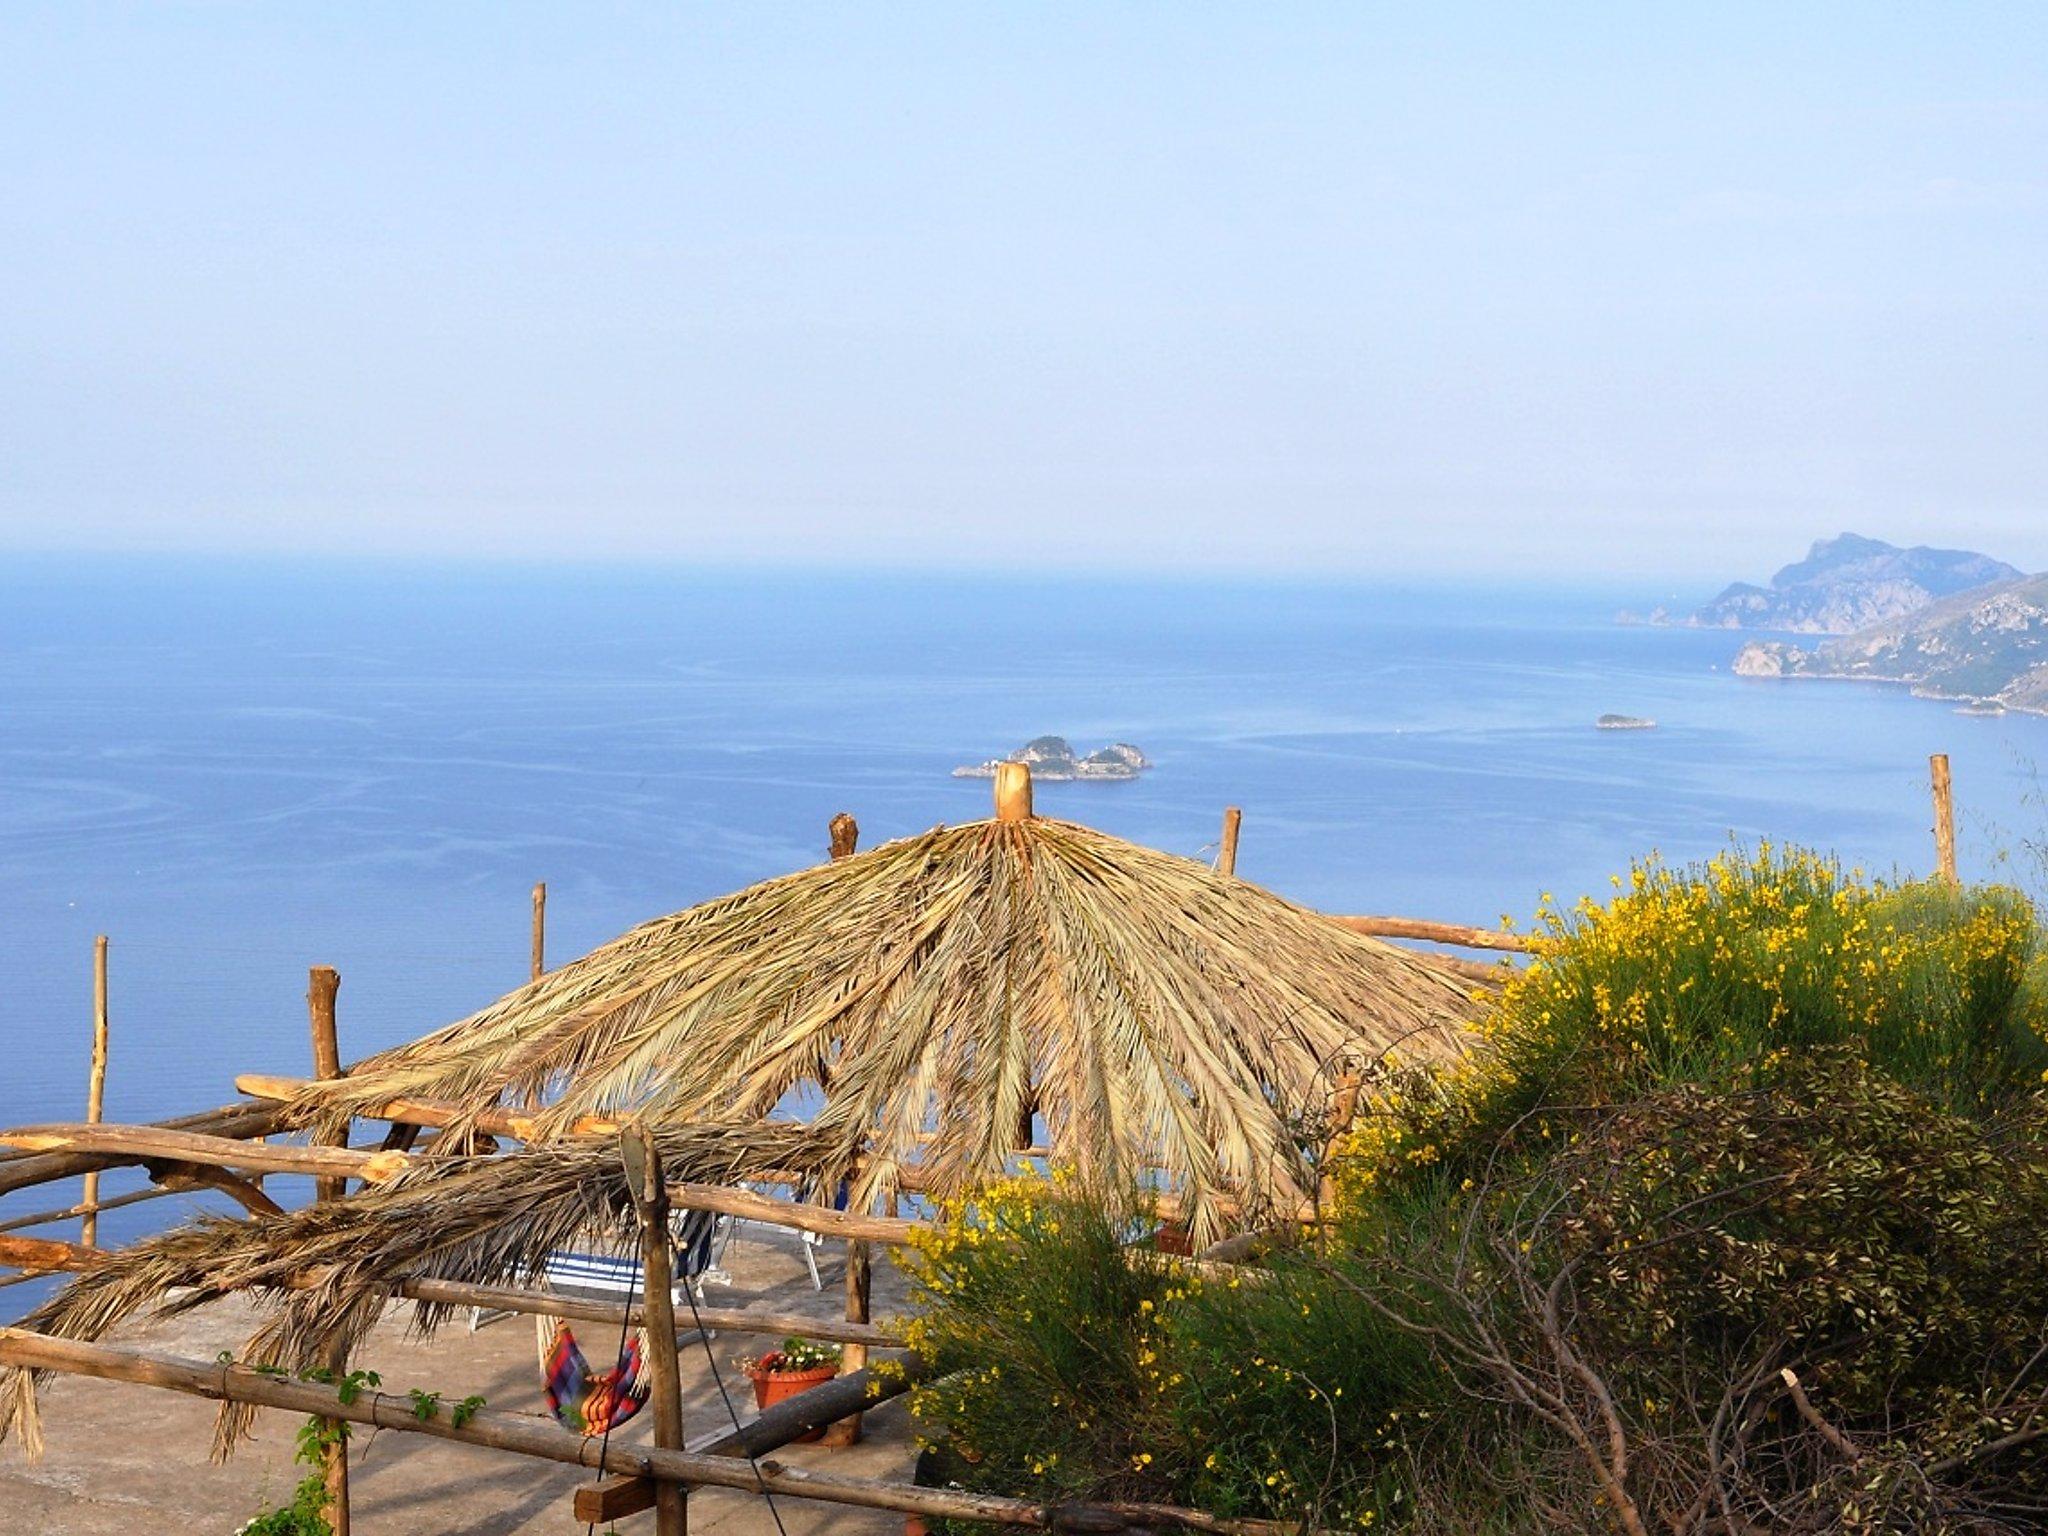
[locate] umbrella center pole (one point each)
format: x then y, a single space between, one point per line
1013 792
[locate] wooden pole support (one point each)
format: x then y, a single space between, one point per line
665 1388
1013 792
854 1357
845 833
1226 855
1944 817
323 983
96 1087
540 929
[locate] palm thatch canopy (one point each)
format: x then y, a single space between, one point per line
324 1273
1161 1020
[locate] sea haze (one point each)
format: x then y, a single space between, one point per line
240 770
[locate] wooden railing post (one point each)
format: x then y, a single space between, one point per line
1944 817
665 1391
854 1357
96 1088
1226 855
845 832
323 983
859 1264
540 928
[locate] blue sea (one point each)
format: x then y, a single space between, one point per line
240 770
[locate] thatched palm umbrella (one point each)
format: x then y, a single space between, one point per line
1163 1021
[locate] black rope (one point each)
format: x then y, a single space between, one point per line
711 1359
717 1376
605 1443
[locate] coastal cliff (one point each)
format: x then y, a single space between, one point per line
1987 647
1849 584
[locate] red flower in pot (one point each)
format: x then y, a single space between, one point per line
797 1366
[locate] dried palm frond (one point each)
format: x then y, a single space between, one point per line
1164 1021
478 1220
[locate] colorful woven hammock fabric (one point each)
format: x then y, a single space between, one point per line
586 1401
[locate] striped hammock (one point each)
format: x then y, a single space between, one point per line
586 1401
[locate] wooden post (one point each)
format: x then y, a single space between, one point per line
323 982
540 928
1226 856
845 835
1944 817
96 1087
1013 792
665 1388
1343 1105
854 1357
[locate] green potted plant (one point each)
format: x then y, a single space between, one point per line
797 1366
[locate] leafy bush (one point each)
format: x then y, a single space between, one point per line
1736 1223
1639 1292
1041 1333
1711 974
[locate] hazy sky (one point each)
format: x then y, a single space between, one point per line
1402 287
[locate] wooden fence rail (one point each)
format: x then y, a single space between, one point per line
530 1435
46 1256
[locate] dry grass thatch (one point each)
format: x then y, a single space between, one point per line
1162 1019
480 1220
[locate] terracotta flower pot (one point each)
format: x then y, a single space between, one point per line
772 1386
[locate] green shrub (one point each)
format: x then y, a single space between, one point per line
1710 974
1042 1336
1749 1119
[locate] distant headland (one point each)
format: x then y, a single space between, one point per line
1986 648
1052 760
1845 584
1947 623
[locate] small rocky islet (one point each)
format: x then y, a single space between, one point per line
1052 759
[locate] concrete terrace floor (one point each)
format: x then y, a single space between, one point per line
133 1461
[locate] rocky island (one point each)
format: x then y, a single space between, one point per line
1848 584
1052 760
1987 647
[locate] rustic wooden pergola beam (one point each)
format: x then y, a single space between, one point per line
439 1114
48 1256
1436 933
527 1435
151 1143
825 1221
236 1122
191 1176
434 1114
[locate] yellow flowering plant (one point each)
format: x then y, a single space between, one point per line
1722 971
